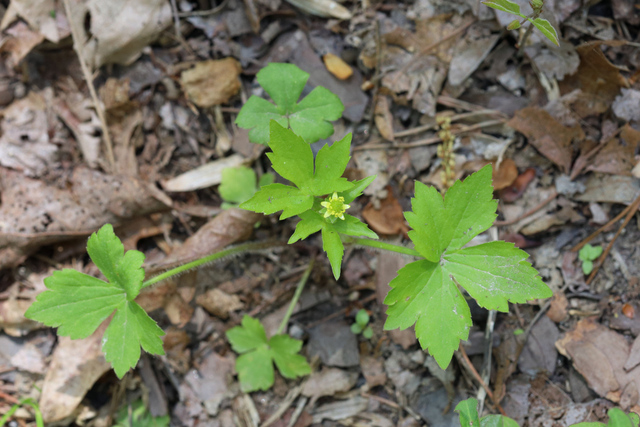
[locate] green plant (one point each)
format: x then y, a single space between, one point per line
308 118
361 324
587 255
468 411
136 415
239 185
541 24
426 292
27 401
258 354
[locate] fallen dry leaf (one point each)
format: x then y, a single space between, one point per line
600 355
43 16
383 118
547 135
373 371
514 191
219 303
617 157
75 366
18 41
328 382
25 144
336 66
203 176
558 307
119 29
598 79
35 213
505 174
389 218
212 82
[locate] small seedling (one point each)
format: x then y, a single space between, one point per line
24 402
587 255
239 184
257 355
541 24
362 324
309 119
137 415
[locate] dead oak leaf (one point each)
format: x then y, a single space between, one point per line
617 157
547 135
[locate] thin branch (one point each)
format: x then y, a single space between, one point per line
92 90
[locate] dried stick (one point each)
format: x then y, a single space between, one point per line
476 375
92 90
530 212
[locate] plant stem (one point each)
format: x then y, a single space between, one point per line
245 247
377 244
296 297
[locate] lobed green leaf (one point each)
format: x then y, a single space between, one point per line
238 184
279 197
468 411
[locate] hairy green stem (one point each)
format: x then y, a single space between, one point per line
234 250
377 244
296 297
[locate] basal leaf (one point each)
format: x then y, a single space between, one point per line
255 370
496 273
468 209
256 114
284 351
291 157
123 270
311 118
468 410
75 303
547 29
238 184
424 294
247 337
332 245
505 6
331 163
129 329
284 83
279 197
255 365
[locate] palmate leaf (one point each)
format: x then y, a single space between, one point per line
257 355
292 158
77 303
284 83
426 292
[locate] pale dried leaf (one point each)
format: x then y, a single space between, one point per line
203 176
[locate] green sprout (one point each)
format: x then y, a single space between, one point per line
362 324
587 255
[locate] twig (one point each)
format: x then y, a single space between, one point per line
633 208
473 371
92 90
530 212
454 118
596 233
429 141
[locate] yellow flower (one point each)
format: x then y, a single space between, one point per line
335 206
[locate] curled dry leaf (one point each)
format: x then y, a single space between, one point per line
389 218
212 82
18 41
383 118
513 192
43 16
219 303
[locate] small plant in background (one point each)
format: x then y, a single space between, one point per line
361 326
541 24
258 354
588 254
136 415
239 185
24 402
309 119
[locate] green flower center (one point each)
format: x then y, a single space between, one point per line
335 206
